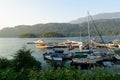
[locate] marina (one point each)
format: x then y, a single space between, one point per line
83 55
14 44
60 40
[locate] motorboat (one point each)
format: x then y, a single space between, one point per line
52 56
40 43
57 55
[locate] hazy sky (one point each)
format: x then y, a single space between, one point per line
19 12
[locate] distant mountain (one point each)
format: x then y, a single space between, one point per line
38 29
105 26
98 17
107 23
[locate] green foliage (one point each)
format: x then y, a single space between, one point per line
23 74
19 68
52 34
8 74
27 36
4 63
25 67
24 60
75 74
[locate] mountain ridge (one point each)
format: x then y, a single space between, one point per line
110 26
112 15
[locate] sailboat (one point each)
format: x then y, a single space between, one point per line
86 56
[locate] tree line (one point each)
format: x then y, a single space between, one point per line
107 27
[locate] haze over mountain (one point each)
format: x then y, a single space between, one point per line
99 16
107 23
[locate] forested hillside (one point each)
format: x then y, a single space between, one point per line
106 27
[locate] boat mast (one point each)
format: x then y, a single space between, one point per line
80 37
80 43
88 32
97 29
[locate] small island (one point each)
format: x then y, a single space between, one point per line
51 34
27 35
43 35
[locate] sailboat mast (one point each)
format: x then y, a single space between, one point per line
88 32
80 37
80 43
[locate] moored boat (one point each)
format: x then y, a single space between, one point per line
57 55
40 42
52 56
44 47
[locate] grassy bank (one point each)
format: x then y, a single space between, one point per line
25 67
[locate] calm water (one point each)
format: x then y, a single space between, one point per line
9 46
